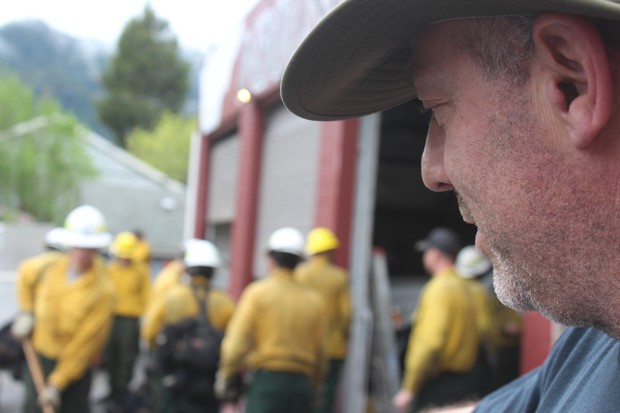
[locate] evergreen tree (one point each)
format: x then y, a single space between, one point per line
42 154
145 77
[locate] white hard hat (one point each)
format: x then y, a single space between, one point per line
471 263
85 227
188 242
201 253
54 238
287 239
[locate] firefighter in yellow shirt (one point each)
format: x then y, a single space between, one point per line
332 283
73 306
170 274
132 284
29 273
278 331
506 331
472 265
500 325
142 251
191 297
443 345
166 278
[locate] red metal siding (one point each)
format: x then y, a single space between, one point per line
536 341
251 130
202 188
334 201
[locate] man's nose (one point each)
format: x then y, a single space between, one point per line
434 172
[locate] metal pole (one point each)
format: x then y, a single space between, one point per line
385 375
357 365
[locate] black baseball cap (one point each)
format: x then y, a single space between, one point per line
444 239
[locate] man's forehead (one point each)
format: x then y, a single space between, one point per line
432 35
439 34
433 53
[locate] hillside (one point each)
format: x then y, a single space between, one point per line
66 67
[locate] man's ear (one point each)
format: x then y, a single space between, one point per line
576 72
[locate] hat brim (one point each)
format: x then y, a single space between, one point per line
291 251
422 245
96 241
356 61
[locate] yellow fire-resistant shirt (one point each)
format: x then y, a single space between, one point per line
72 318
279 325
29 273
332 283
502 316
180 303
483 311
132 284
166 278
445 336
142 253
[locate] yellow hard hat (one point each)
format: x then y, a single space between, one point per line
320 240
124 245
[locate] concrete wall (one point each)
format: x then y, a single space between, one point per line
133 195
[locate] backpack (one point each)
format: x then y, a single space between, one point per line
188 354
11 354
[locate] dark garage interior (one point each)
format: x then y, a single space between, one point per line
405 210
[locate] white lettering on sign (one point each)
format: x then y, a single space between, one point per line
272 36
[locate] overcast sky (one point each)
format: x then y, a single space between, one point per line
196 23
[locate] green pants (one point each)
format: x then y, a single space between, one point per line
506 368
72 399
330 386
121 352
169 402
154 383
279 392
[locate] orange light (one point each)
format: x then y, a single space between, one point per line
244 95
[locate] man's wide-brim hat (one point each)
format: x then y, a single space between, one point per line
356 61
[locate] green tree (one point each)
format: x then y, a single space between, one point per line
145 77
42 154
167 146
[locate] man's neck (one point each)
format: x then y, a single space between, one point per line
441 267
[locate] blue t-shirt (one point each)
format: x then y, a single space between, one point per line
582 374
